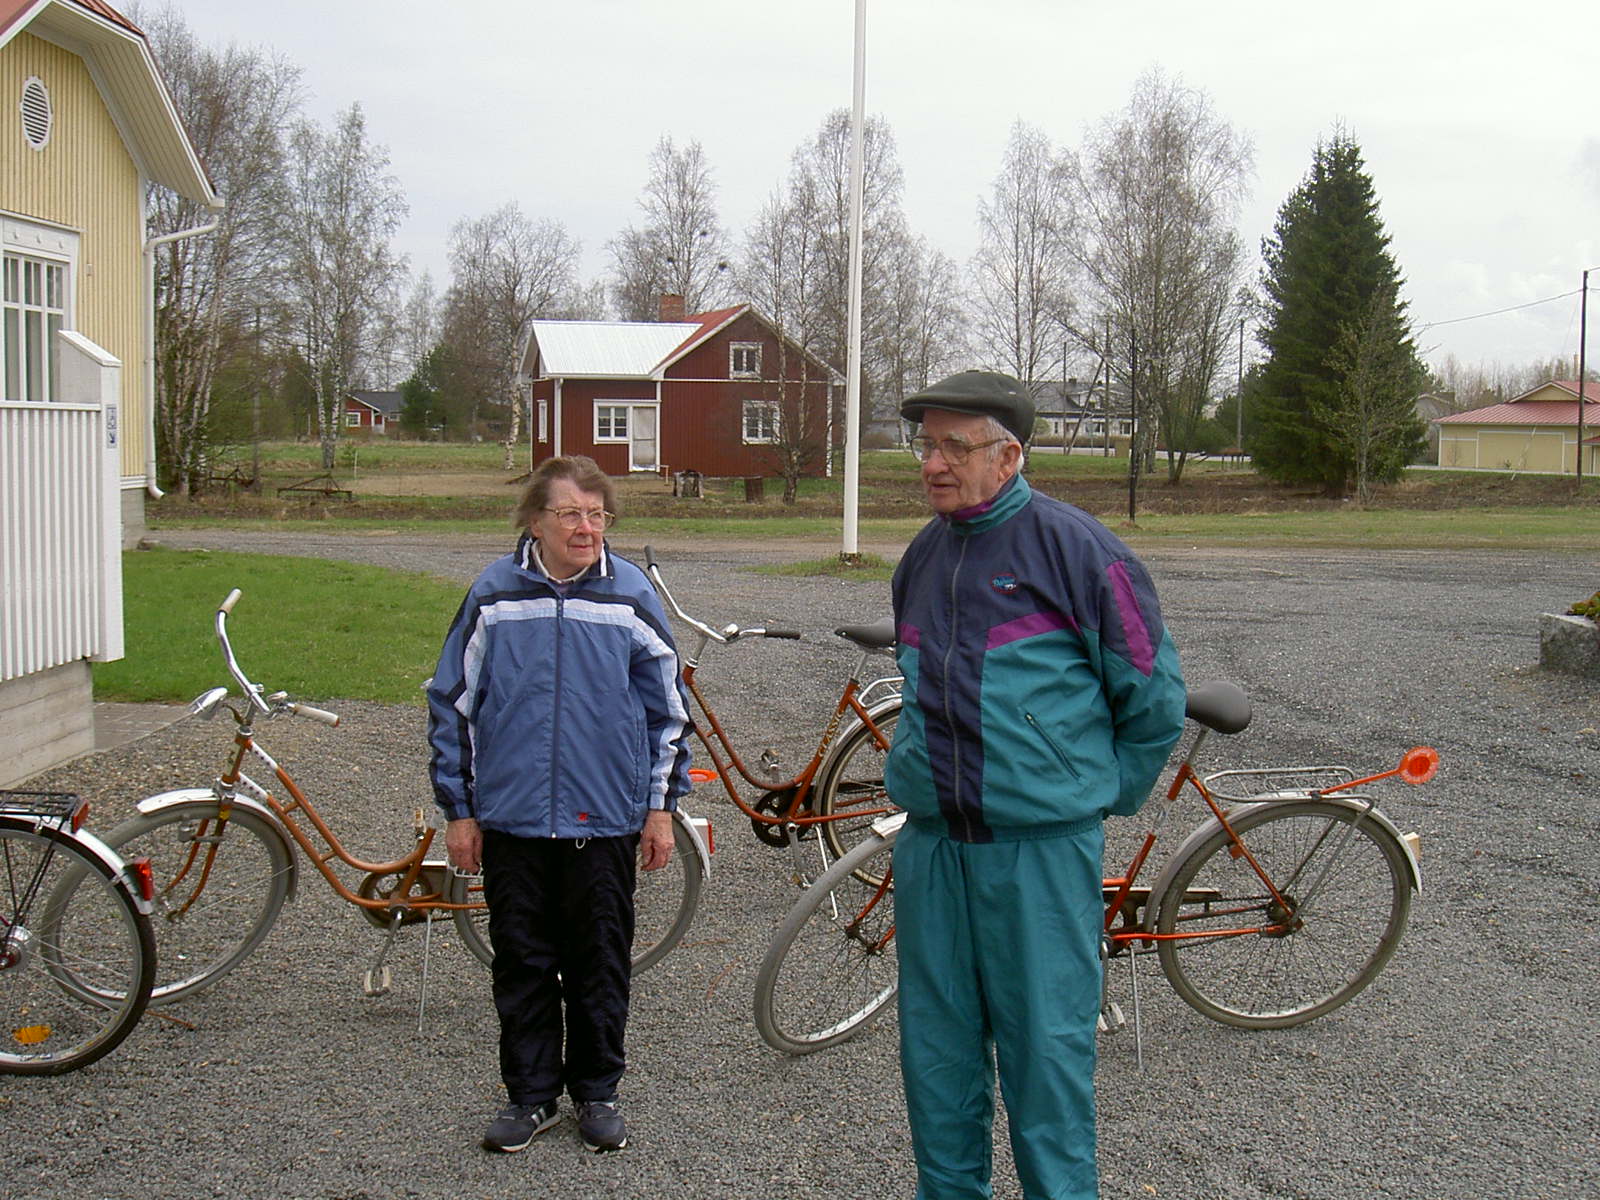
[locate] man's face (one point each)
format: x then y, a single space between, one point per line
950 486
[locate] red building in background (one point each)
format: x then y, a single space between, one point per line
721 393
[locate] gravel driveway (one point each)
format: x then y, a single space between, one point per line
1468 1069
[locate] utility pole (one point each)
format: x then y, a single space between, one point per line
1583 363
1238 398
1133 409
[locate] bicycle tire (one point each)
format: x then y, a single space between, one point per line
1272 981
66 919
664 904
206 921
831 967
853 778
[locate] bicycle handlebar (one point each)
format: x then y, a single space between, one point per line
252 691
727 634
316 714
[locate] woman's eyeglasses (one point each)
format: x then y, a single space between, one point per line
571 518
955 450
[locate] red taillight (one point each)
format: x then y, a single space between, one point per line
80 814
145 877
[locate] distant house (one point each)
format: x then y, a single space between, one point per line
1071 407
706 392
86 125
374 412
1536 431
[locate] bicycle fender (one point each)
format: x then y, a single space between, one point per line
165 800
1211 826
683 820
93 846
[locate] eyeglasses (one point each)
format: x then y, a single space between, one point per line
954 450
571 518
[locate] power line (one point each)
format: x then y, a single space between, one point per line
1498 311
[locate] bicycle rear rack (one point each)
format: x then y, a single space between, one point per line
60 807
1275 783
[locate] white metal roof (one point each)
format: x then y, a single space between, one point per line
606 349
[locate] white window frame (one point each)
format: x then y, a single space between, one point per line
544 420
352 419
613 407
753 350
47 249
770 425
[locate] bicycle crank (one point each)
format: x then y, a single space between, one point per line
384 885
776 801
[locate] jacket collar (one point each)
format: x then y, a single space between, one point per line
530 562
1012 497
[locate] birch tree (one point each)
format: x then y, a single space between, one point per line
343 209
682 248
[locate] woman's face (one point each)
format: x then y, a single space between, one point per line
567 551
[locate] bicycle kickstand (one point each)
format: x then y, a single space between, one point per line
1111 1019
379 979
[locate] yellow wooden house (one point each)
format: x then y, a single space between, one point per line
86 127
1536 431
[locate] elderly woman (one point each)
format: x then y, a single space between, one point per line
558 724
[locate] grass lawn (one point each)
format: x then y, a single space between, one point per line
316 629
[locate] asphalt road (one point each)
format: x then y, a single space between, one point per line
1468 1069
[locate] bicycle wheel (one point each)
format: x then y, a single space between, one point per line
853 784
664 904
1248 961
65 922
219 887
831 966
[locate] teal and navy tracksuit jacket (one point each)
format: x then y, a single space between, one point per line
1041 693
1042 689
557 710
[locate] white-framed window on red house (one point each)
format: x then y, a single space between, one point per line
744 360
761 423
610 422
352 420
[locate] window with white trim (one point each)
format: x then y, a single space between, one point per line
610 423
544 420
744 360
352 420
760 422
33 308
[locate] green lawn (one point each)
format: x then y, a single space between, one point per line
318 630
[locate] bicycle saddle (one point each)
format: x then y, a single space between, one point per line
1219 705
877 636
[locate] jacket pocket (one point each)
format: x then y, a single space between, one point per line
1049 741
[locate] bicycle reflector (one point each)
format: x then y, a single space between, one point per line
1419 764
140 868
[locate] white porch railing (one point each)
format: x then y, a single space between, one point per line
61 518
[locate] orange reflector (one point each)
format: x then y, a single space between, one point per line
31 1035
701 775
80 815
145 876
1419 764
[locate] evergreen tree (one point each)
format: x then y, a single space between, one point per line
1331 283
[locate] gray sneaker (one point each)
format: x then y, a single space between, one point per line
600 1126
518 1124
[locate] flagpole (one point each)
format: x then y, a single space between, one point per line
852 401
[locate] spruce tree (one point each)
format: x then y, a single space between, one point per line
1327 268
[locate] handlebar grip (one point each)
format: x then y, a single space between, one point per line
233 598
316 714
649 556
792 634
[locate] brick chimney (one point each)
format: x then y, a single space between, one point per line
671 307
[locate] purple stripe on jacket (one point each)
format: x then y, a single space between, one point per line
1141 646
1029 626
908 635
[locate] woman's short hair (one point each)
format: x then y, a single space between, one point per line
582 471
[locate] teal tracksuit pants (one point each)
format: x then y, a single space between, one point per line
999 947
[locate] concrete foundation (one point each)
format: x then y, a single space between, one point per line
45 719
1570 644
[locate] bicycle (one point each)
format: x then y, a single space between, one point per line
74 977
835 797
223 862
1282 905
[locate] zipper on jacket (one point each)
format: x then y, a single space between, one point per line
1051 742
949 718
555 713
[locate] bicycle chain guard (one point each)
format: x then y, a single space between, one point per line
380 885
775 801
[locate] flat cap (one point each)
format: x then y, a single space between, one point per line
977 394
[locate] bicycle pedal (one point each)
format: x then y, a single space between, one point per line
1111 1019
377 983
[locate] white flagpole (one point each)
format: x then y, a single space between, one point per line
852 401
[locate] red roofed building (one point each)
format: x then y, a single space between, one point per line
1536 431
717 392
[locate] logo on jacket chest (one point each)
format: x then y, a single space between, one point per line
1005 583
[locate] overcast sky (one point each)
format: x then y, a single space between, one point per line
1478 121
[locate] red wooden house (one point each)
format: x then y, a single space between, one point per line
716 392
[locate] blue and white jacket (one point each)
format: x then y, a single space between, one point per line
1041 689
558 711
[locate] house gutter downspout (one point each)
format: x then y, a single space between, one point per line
154 492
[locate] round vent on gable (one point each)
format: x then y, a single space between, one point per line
36 114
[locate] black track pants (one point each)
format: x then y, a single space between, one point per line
561 923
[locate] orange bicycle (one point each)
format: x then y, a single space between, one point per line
223 862
1287 900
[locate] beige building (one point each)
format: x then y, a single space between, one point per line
1536 431
86 127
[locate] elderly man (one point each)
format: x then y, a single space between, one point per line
1041 693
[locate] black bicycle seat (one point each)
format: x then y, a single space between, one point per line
877 636
1219 705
